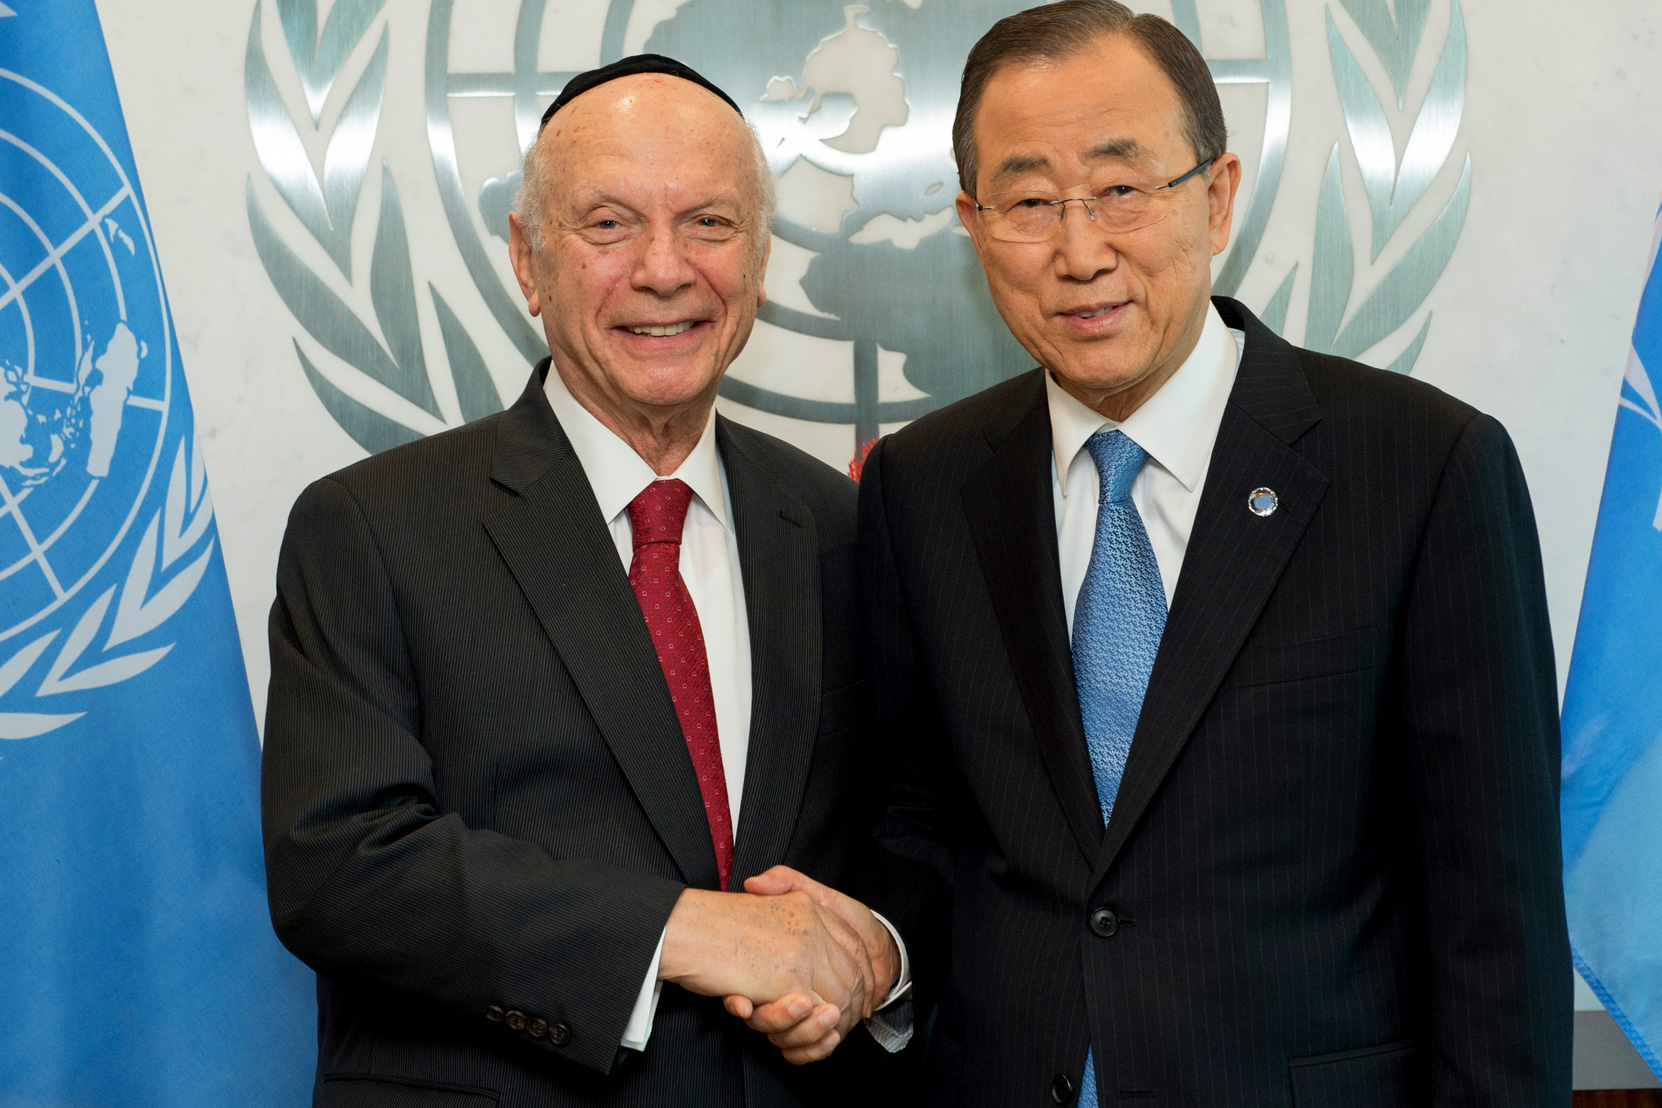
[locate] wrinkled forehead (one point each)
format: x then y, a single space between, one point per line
1106 108
1121 153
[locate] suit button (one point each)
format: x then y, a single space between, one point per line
559 1034
1104 922
515 1019
494 1014
537 1027
1061 1089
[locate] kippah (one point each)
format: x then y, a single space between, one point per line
626 67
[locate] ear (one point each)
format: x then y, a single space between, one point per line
972 223
523 258
762 270
1220 197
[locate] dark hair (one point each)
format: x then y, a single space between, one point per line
1053 32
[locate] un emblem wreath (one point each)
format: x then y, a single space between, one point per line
387 351
84 423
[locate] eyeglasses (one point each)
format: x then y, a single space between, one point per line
1026 215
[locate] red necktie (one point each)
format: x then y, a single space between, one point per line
656 518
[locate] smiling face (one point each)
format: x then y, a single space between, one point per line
1112 315
647 266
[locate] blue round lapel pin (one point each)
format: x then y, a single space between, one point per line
1263 502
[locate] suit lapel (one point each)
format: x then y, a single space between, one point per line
555 542
1012 519
1233 561
779 561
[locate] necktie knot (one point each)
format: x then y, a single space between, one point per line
659 513
1118 461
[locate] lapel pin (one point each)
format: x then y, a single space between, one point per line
1263 502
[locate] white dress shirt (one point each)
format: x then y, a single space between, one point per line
709 566
1177 426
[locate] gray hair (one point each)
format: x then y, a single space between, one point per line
530 201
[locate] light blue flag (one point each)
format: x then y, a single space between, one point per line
1612 800
137 962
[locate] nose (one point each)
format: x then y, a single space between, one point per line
1082 250
662 268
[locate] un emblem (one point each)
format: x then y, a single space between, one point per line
86 391
877 310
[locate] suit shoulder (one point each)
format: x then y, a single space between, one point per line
822 488
1408 426
418 475
968 422
1346 388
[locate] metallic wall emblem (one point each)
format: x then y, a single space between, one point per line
928 302
888 275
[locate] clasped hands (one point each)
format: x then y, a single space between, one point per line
794 959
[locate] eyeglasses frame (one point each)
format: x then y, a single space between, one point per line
1087 201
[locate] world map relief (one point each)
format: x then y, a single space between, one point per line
848 99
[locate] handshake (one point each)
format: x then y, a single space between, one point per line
793 959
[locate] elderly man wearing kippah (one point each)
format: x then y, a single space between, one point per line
548 689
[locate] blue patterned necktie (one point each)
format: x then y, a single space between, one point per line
1117 625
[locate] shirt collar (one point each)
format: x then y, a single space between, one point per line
618 474
1177 425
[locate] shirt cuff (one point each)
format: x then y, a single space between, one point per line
892 1024
639 1028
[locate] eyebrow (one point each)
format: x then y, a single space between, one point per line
1122 149
598 197
1126 149
1017 164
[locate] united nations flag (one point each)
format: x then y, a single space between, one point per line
137 961
1612 705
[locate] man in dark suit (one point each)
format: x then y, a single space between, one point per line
1217 671
545 686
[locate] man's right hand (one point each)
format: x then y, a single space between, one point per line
764 948
791 1023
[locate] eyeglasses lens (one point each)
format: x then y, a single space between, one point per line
1033 219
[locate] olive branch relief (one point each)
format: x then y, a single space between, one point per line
1394 181
390 399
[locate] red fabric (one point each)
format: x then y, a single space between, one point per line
858 465
656 517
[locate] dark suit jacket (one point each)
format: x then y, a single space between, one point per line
1333 864
479 808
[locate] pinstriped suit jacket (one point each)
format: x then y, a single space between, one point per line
479 807
1333 862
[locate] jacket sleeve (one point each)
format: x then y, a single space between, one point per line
1480 716
911 879
369 881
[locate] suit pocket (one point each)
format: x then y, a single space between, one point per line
1327 656
843 708
352 1090
1392 1075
